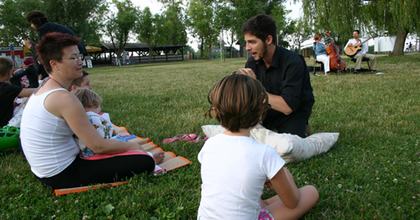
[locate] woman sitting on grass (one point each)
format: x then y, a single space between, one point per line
51 117
235 167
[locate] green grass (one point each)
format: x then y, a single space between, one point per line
372 172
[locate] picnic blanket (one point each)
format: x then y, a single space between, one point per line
170 162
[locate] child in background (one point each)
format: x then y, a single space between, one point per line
235 167
92 102
82 82
8 93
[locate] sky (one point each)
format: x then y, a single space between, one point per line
156 7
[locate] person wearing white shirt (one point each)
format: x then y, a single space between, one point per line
362 53
321 53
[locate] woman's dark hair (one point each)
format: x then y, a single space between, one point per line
50 47
38 18
261 26
239 100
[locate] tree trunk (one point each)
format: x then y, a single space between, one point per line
231 43
210 57
150 53
400 43
241 50
202 48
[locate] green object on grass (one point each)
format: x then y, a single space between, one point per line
9 137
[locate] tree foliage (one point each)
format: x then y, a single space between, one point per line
397 17
13 25
150 30
121 24
201 20
226 23
285 27
303 31
174 23
84 17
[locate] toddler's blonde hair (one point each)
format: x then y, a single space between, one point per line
88 98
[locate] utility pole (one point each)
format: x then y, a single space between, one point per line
221 48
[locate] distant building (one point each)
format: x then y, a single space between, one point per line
140 51
229 51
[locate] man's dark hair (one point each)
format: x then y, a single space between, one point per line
38 18
358 32
261 26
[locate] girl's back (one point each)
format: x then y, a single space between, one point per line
233 170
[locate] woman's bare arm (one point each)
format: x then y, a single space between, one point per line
65 105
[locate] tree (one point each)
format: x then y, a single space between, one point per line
174 23
285 26
201 21
226 22
121 24
13 25
82 16
397 17
303 32
150 30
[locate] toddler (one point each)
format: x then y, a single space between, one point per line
92 102
234 167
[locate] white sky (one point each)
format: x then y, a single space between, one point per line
156 7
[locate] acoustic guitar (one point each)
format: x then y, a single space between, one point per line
352 50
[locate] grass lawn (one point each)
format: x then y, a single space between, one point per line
372 172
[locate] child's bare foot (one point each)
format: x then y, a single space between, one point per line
159 157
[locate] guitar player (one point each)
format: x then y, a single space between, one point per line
361 53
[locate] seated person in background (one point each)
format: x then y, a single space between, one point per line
361 53
29 71
53 115
239 103
8 93
81 82
321 53
17 81
41 70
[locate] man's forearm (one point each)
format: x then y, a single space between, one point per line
279 104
